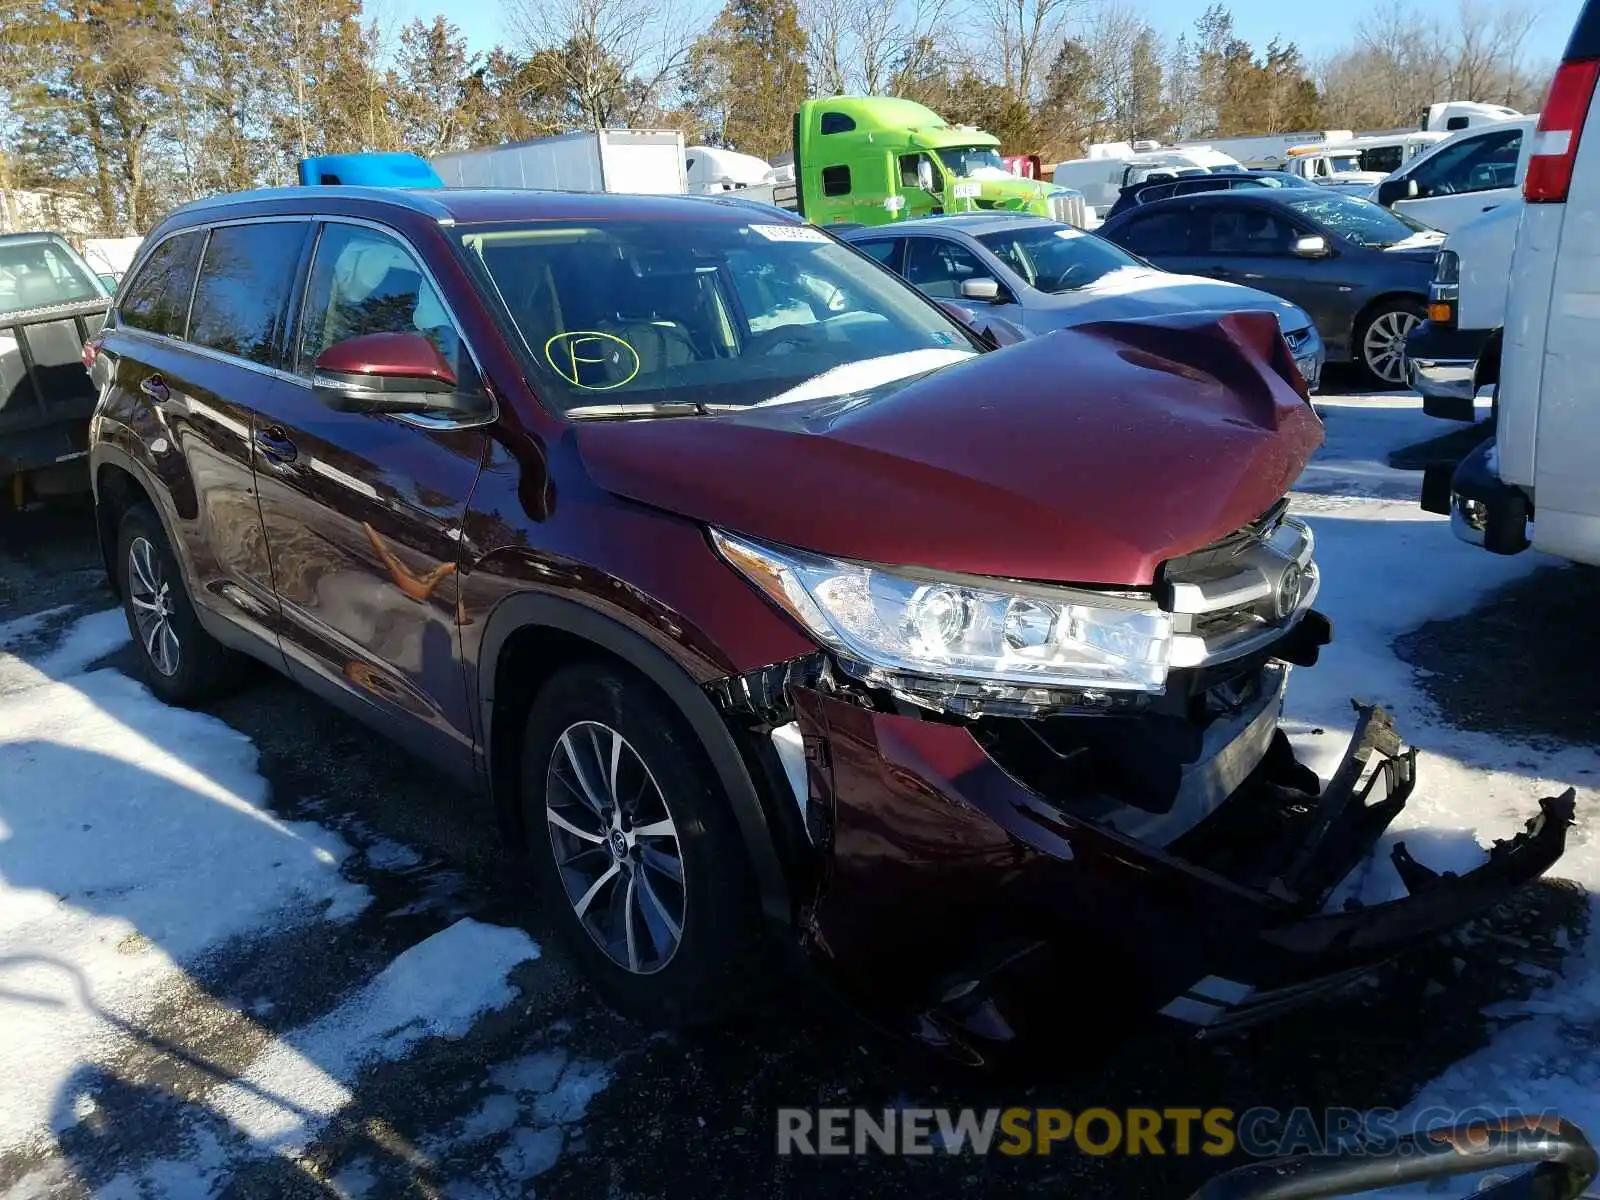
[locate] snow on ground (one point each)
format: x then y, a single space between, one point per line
134 841
1387 567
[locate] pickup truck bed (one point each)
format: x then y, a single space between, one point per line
46 396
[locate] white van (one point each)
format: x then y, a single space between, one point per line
1466 174
1535 483
1369 158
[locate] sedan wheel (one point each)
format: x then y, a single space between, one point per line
1383 344
616 847
150 593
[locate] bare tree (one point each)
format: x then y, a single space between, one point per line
615 59
1021 38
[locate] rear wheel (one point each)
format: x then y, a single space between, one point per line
634 849
182 663
1381 341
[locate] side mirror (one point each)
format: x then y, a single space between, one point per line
1313 245
981 288
387 373
994 332
1562 1160
1391 190
924 174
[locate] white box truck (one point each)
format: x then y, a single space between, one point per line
636 161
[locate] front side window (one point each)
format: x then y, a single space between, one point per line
726 311
40 272
1254 231
939 267
1356 220
1471 165
157 300
364 281
243 293
1056 258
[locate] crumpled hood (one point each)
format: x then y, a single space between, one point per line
1145 291
1088 456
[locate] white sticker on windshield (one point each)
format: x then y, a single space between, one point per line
790 233
1069 233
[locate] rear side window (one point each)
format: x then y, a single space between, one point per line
243 292
835 181
882 249
1157 233
158 298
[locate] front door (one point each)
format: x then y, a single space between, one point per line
1254 246
363 511
938 266
1465 179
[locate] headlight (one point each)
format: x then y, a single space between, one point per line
1010 641
1446 267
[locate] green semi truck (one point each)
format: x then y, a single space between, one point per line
871 160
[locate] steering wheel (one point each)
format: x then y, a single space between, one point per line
785 339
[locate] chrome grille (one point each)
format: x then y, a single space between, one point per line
1244 592
1068 206
1298 340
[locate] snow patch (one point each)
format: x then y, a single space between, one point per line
135 840
438 988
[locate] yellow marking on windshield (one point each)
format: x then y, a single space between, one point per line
581 346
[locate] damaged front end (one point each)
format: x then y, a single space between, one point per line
991 857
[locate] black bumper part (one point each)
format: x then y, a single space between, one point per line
1483 510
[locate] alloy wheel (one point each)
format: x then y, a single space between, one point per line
616 847
150 593
1384 346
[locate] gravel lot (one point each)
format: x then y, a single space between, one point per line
694 1116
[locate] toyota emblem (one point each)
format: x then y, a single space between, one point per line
1287 597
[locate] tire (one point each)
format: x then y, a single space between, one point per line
706 970
1381 338
181 663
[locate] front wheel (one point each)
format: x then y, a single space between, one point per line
1381 341
635 850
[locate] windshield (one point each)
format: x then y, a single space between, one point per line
1056 258
42 272
709 312
1356 220
966 161
1340 163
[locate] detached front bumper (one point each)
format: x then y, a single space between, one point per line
981 915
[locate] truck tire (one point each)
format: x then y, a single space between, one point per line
634 849
181 663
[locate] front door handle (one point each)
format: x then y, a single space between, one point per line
275 444
156 388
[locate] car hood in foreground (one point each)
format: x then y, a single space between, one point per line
1088 456
1131 292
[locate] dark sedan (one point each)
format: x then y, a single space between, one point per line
1148 192
1361 271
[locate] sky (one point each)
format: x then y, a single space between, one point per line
1317 28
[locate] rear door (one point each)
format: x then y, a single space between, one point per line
1465 177
1160 236
187 362
363 512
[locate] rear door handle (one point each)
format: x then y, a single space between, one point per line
156 388
275 444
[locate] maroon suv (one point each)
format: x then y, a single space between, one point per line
749 583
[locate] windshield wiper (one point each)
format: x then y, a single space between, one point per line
624 412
